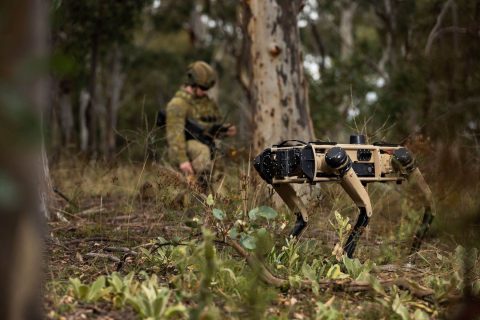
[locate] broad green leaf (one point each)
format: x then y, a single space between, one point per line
308 272
96 290
75 283
233 233
161 301
210 201
374 282
400 309
83 292
335 273
252 214
178 309
262 211
219 214
420 315
116 282
79 289
267 212
248 242
354 266
162 240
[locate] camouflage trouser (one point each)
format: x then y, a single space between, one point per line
199 155
206 170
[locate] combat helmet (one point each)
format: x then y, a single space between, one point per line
200 74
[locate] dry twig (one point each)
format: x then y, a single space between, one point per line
102 256
340 285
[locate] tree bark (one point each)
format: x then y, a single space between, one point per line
91 111
389 55
83 105
65 114
25 23
46 188
196 28
346 30
278 87
116 81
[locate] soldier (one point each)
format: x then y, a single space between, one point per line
192 102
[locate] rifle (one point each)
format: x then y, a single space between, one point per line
352 165
195 131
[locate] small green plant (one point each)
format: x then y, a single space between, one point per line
325 311
313 271
248 234
151 301
341 227
147 298
288 259
89 293
395 302
121 286
355 268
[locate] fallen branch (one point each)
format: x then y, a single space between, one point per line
64 197
91 211
102 256
92 239
338 285
121 249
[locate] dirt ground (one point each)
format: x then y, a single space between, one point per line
137 218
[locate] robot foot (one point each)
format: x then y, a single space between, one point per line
422 230
300 225
357 231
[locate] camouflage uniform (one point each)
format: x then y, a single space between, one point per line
203 111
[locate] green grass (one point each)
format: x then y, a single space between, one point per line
174 263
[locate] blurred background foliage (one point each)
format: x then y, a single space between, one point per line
403 71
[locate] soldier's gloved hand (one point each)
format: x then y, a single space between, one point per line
186 168
232 131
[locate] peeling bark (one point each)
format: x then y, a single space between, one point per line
277 86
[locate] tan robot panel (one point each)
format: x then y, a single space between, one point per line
352 165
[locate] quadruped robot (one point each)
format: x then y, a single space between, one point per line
353 165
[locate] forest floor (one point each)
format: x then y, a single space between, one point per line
137 242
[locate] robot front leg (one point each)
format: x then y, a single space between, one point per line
417 177
407 164
337 159
357 231
289 196
357 191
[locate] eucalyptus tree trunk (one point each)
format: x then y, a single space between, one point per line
65 113
84 102
24 96
278 87
346 30
346 51
92 108
114 88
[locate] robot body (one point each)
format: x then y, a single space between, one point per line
352 165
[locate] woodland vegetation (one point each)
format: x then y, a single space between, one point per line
129 237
